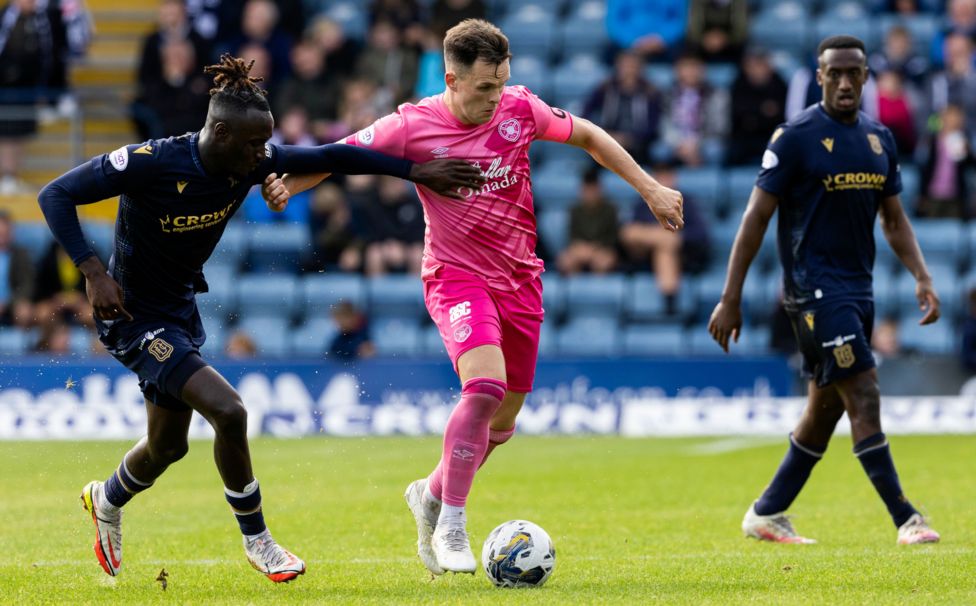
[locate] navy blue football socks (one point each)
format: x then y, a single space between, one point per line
792 474
875 457
247 508
120 487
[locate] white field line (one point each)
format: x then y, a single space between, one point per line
725 445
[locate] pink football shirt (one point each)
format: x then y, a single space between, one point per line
492 233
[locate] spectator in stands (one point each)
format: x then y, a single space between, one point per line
177 101
758 106
627 106
310 88
944 187
388 63
885 342
593 230
896 110
694 112
717 29
16 277
430 67
240 346
899 55
260 26
59 290
956 84
445 14
172 25
405 15
263 63
340 52
352 341
655 30
962 21
391 221
670 253
359 107
969 333
32 48
331 223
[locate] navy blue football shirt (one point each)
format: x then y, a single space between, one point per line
830 178
172 213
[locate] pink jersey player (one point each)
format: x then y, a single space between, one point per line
480 273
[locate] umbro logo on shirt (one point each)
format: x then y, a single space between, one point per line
440 151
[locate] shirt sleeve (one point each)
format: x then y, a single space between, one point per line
893 182
334 158
551 123
780 162
387 135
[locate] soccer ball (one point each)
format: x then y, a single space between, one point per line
518 554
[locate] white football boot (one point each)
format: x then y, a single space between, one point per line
425 514
775 527
916 531
108 529
271 559
453 549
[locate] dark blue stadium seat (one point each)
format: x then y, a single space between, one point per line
395 296
267 295
940 239
654 340
396 336
322 291
705 186
433 345
530 31
34 236
351 16
783 26
533 73
721 75
269 333
644 302
619 192
923 28
313 338
221 298
278 247
599 296
13 341
847 18
232 248
553 8
589 337
213 347
947 284
581 33
547 338
740 183
554 187
937 338
574 80
553 295
909 187
553 227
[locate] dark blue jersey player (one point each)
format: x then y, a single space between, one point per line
177 196
830 172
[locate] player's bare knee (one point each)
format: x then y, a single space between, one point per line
230 418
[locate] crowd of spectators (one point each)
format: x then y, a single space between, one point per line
660 101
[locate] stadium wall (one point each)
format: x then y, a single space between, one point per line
628 397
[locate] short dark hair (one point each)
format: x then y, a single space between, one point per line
234 88
474 39
838 42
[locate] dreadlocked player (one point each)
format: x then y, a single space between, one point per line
177 195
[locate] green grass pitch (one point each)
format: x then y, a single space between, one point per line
634 522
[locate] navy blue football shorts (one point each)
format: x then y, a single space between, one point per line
834 338
161 353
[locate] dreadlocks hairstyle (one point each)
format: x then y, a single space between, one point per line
234 87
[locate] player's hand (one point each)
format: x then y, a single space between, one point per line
448 177
275 193
105 296
928 302
667 205
726 321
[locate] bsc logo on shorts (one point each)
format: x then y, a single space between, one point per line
844 356
161 350
461 310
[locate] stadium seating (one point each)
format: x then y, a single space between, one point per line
312 339
267 295
13 341
532 72
583 33
553 226
783 26
278 246
433 345
644 302
574 80
935 338
232 247
269 333
322 291
589 336
555 188
595 296
530 31
395 297
35 237
396 336
553 295
654 340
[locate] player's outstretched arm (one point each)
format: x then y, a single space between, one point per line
726 320
445 176
58 200
665 203
901 237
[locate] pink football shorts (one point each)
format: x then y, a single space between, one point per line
469 313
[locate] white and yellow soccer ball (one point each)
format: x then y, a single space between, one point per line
518 554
